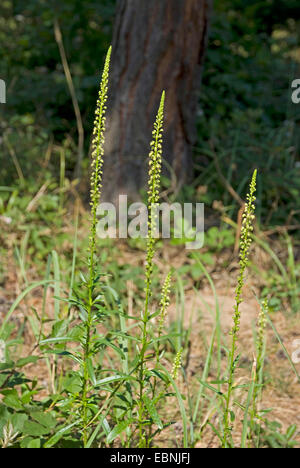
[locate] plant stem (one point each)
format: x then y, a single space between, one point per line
245 242
155 159
96 183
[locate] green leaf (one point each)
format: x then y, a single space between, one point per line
127 337
60 339
59 328
54 439
46 419
160 375
114 378
35 443
28 360
113 346
211 388
25 442
164 338
117 430
91 372
72 383
152 411
12 400
3 378
291 431
7 365
106 426
59 352
34 429
18 420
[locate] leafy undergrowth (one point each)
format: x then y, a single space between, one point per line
36 385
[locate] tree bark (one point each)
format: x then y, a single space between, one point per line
157 45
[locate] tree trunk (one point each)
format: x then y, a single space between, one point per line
157 45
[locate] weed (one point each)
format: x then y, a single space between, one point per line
245 243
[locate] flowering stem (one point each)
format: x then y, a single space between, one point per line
245 243
155 158
96 184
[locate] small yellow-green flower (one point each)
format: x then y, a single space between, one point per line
177 364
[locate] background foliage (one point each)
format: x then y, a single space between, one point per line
246 116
